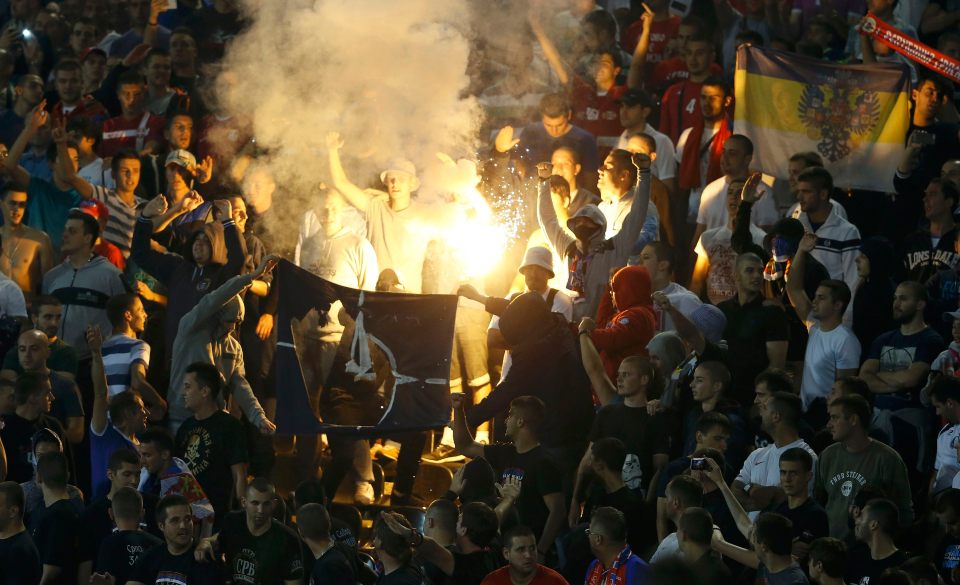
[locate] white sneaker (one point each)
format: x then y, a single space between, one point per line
363 493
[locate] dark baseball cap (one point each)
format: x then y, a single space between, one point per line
86 53
637 97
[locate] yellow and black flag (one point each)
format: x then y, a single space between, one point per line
855 116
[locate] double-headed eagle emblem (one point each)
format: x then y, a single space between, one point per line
838 116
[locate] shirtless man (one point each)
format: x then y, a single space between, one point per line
27 252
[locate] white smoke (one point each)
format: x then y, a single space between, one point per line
388 75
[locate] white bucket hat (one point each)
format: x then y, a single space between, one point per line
538 256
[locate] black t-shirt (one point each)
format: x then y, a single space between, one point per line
120 550
539 474
268 559
158 567
56 538
209 447
810 520
333 567
96 524
749 328
472 568
863 570
16 435
408 575
714 503
643 436
342 535
20 560
711 569
632 506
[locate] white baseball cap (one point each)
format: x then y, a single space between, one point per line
183 158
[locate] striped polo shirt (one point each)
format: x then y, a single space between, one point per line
120 353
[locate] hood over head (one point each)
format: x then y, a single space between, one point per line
631 287
214 233
233 310
593 212
526 318
667 346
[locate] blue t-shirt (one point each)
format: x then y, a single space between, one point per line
897 352
48 208
792 575
101 448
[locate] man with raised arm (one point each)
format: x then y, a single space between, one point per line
590 256
392 215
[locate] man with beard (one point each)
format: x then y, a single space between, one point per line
896 369
176 555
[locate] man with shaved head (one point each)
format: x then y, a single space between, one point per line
33 350
756 333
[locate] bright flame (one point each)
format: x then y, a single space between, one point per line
476 240
470 231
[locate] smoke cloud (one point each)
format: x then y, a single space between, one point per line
389 76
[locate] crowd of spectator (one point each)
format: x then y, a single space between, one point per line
683 371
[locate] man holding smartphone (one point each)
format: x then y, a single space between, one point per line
930 143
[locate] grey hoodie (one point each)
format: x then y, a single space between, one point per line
196 341
606 254
84 293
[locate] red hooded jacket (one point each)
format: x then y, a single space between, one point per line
627 332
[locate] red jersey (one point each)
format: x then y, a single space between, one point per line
111 252
89 108
680 108
120 133
598 114
544 576
670 71
661 31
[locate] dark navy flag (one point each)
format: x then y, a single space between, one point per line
413 332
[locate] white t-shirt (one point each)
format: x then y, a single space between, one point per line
713 205
616 213
95 174
694 201
762 466
669 548
665 165
946 460
12 302
345 259
561 304
827 352
715 244
398 238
